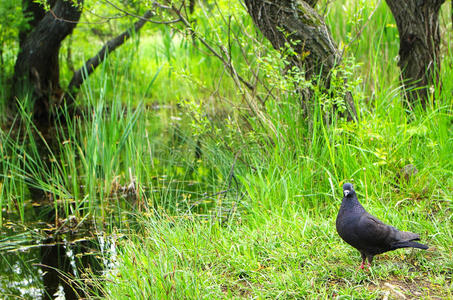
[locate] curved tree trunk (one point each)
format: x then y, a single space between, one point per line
296 22
418 27
36 72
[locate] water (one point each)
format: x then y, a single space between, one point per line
38 265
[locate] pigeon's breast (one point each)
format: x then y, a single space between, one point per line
346 223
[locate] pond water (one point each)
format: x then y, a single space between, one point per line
51 264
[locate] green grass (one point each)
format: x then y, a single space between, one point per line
294 257
281 241
254 215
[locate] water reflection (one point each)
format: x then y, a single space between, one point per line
33 267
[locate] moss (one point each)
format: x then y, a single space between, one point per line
310 17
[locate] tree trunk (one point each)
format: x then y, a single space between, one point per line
34 12
297 23
36 72
418 27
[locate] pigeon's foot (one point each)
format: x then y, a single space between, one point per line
364 266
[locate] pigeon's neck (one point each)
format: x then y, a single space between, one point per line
351 202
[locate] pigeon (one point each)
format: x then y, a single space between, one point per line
367 233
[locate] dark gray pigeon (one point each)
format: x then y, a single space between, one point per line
367 233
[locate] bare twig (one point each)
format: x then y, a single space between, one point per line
226 62
225 57
143 18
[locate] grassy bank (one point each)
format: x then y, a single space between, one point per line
281 240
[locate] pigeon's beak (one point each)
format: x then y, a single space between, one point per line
346 192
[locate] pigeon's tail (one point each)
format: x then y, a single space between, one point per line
409 244
406 240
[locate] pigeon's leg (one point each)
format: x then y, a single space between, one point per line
370 260
363 260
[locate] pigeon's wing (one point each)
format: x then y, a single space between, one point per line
378 237
373 232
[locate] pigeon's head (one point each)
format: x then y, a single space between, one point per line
348 189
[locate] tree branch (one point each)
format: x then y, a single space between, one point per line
91 64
